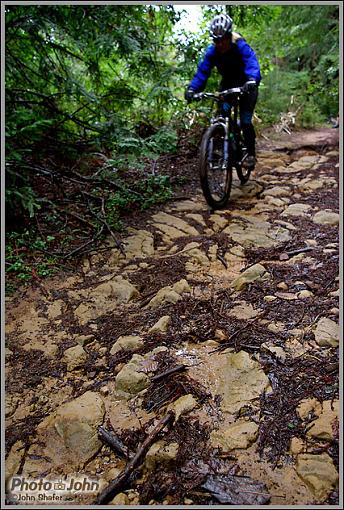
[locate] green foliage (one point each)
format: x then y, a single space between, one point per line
21 260
22 198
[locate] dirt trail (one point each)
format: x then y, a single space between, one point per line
244 301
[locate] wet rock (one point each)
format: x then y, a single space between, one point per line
277 191
243 311
120 499
139 244
103 298
68 438
297 446
55 309
251 231
308 408
176 223
326 217
277 351
318 472
327 333
127 343
169 294
324 427
129 379
197 217
269 299
219 222
297 210
240 434
183 405
84 339
240 381
161 325
304 294
254 273
75 357
161 454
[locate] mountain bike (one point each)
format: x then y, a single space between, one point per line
222 148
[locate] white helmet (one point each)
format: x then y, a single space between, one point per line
220 26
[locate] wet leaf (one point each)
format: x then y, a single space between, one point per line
234 490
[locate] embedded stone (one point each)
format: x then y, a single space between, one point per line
327 333
75 357
161 326
318 472
127 343
326 217
254 273
240 434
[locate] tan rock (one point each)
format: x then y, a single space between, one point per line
161 325
240 434
324 427
297 446
169 294
120 499
269 299
130 379
75 357
326 333
297 210
308 407
240 381
175 222
304 294
318 472
127 343
243 311
68 438
326 217
161 454
183 405
254 273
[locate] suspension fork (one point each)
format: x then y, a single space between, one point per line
225 124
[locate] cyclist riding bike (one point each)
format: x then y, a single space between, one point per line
239 67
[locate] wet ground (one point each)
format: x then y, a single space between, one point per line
229 320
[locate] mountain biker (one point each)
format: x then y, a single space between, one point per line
238 65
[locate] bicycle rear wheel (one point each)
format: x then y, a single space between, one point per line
215 171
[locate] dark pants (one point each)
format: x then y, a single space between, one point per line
247 103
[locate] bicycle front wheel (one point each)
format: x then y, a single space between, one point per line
215 171
243 170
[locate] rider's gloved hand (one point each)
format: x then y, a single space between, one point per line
189 94
250 86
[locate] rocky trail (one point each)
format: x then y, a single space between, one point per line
225 324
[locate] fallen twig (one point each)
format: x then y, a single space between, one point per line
117 242
178 368
221 259
118 483
115 443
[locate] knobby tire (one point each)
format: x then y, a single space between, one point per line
216 131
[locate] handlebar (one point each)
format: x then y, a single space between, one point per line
219 96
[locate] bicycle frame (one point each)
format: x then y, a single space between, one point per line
229 123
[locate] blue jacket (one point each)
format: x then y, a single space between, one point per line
236 66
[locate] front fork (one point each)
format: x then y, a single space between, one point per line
226 142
